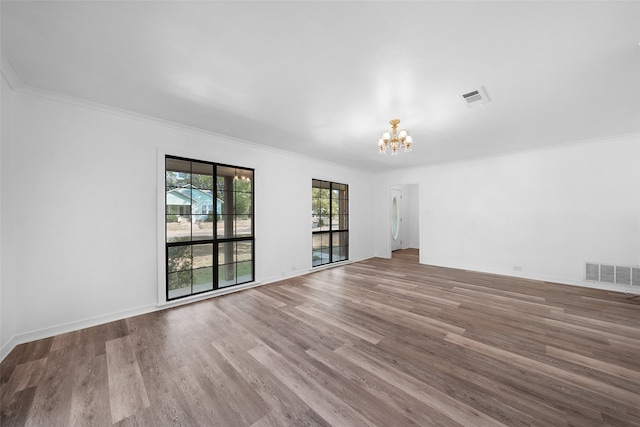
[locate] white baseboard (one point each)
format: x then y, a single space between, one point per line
540 278
6 349
70 327
297 273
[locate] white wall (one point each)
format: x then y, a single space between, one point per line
85 181
546 211
8 328
413 216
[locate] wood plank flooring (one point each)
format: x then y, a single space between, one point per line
379 342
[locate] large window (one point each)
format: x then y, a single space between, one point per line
209 226
329 222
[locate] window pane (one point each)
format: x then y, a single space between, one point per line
177 210
225 226
225 171
321 184
324 223
343 206
326 259
316 253
178 228
342 238
178 201
180 196
202 280
177 173
243 225
320 250
178 165
225 202
335 222
243 203
179 258
336 254
325 240
244 181
339 246
201 202
344 222
202 227
316 241
226 275
224 190
244 272
179 284
244 251
202 176
320 240
226 253
202 256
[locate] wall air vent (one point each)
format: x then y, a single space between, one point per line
635 276
607 273
475 97
592 272
623 275
615 274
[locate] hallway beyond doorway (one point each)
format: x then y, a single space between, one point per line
410 254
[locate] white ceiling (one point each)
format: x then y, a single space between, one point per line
325 78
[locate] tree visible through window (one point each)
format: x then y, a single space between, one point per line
209 226
329 222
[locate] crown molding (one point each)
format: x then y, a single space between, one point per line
17 86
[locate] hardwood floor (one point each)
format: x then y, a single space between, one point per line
379 342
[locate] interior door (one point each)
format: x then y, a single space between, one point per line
396 219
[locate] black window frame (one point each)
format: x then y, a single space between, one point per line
215 241
339 252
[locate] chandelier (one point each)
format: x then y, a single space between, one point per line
395 139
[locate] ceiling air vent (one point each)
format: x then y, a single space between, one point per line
475 97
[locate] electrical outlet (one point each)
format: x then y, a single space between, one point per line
517 267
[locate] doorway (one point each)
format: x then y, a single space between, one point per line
404 219
396 219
